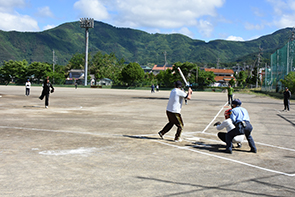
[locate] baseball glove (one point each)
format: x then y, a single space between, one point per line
217 123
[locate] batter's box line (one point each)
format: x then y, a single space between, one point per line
225 158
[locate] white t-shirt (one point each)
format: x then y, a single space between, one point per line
28 84
228 124
175 100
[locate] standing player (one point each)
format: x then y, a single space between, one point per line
230 91
241 120
28 87
287 96
46 91
173 110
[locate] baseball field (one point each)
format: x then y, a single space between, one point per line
104 142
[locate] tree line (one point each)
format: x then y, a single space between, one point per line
122 74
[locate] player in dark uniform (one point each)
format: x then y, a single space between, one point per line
46 91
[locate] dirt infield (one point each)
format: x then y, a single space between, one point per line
104 142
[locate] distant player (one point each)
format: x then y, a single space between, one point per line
287 96
230 91
28 87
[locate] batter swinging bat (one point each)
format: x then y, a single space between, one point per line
186 83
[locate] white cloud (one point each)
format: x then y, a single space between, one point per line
48 27
9 5
17 22
11 20
163 14
92 9
235 38
186 31
205 28
284 13
45 12
279 6
285 21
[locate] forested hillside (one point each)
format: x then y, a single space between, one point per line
132 45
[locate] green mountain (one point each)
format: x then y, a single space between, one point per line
132 45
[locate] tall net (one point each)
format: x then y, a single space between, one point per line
282 62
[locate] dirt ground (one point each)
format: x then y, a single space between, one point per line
104 142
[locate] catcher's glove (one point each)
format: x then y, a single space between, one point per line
52 90
217 123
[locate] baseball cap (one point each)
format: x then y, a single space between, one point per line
178 84
237 102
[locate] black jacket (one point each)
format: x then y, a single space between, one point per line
46 88
287 95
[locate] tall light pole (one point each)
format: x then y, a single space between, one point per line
86 23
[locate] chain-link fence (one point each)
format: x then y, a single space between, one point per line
282 62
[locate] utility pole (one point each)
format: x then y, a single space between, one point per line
53 64
86 23
197 73
165 55
258 62
218 59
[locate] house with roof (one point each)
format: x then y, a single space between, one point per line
146 69
157 68
222 76
77 75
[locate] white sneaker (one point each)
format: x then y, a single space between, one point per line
179 140
46 106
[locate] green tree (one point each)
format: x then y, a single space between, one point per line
188 69
58 76
132 73
106 66
289 81
241 78
76 62
39 70
166 78
14 70
205 78
232 82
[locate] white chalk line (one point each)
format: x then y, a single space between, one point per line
142 135
224 158
175 146
56 131
214 118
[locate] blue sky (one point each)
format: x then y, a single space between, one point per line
239 20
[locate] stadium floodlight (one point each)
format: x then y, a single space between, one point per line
86 23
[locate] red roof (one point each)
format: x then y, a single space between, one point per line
162 67
223 78
229 71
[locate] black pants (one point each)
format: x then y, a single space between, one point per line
286 104
230 99
27 91
46 98
174 119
